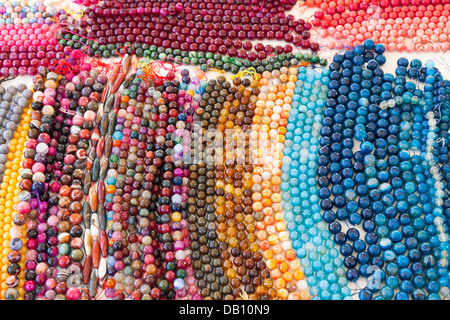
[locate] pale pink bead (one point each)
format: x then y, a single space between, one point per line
411 33
385 33
379 27
436 47
359 37
388 27
414 26
420 33
345 33
376 33
443 37
24 37
351 38
348 26
354 32
7 38
4 32
393 33
49 34
53 221
32 37
41 267
117 235
31 255
418 47
339 28
15 232
445 46
425 20
331 44
367 35
428 32
338 35
27 43
45 27
382 22
122 113
390 21
383 40
356 25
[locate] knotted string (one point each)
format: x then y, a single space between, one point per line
249 71
151 70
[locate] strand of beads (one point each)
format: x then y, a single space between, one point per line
13 240
235 120
124 225
12 106
188 101
310 239
211 283
268 129
434 154
205 60
39 157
